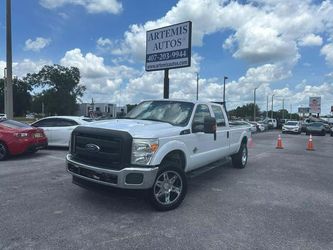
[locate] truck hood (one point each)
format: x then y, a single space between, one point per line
139 128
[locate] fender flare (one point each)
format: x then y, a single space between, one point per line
166 149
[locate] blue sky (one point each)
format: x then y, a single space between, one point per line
284 47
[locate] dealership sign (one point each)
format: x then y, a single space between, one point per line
169 47
303 110
315 104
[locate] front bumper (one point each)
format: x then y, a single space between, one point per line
127 178
291 130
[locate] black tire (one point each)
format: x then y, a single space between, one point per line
239 160
169 188
307 133
323 133
3 151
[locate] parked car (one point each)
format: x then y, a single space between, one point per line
252 127
292 127
327 128
272 123
3 116
18 138
282 122
260 127
263 125
154 147
315 128
30 116
59 128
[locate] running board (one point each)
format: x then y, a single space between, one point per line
207 168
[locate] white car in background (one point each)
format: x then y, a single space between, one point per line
3 116
292 127
58 129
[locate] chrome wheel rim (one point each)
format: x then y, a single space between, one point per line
244 156
168 187
2 151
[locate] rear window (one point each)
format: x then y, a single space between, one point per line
14 124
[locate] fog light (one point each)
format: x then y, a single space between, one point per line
134 178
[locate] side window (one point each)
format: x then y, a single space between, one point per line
201 112
220 120
65 123
45 123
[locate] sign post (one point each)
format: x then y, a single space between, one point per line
169 48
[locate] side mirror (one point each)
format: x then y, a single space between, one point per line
210 125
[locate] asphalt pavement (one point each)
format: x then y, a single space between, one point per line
283 199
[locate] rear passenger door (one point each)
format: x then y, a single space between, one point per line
222 131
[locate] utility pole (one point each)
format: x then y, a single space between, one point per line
9 83
224 79
291 110
197 86
254 104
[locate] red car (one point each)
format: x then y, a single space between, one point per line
18 138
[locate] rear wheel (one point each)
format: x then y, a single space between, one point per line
169 188
3 151
239 160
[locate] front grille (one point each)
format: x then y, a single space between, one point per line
105 177
112 149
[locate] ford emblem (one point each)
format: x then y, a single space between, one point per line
92 148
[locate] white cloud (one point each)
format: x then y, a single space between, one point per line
311 40
327 51
22 68
92 6
37 44
90 65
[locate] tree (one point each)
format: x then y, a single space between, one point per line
246 111
61 88
21 96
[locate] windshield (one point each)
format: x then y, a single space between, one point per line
14 124
292 123
173 112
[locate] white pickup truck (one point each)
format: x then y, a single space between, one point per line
154 147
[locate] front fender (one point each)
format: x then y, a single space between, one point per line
166 149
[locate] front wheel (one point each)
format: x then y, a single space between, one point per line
3 151
239 160
169 188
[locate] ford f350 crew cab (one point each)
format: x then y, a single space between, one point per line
154 147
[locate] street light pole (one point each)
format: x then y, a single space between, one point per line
224 78
272 106
197 86
283 108
9 82
254 105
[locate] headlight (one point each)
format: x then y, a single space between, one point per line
143 150
21 135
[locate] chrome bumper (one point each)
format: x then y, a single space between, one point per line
114 178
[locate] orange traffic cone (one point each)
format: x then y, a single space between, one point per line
250 143
279 143
309 145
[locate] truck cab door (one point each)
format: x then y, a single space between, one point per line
202 146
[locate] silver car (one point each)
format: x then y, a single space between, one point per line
292 127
